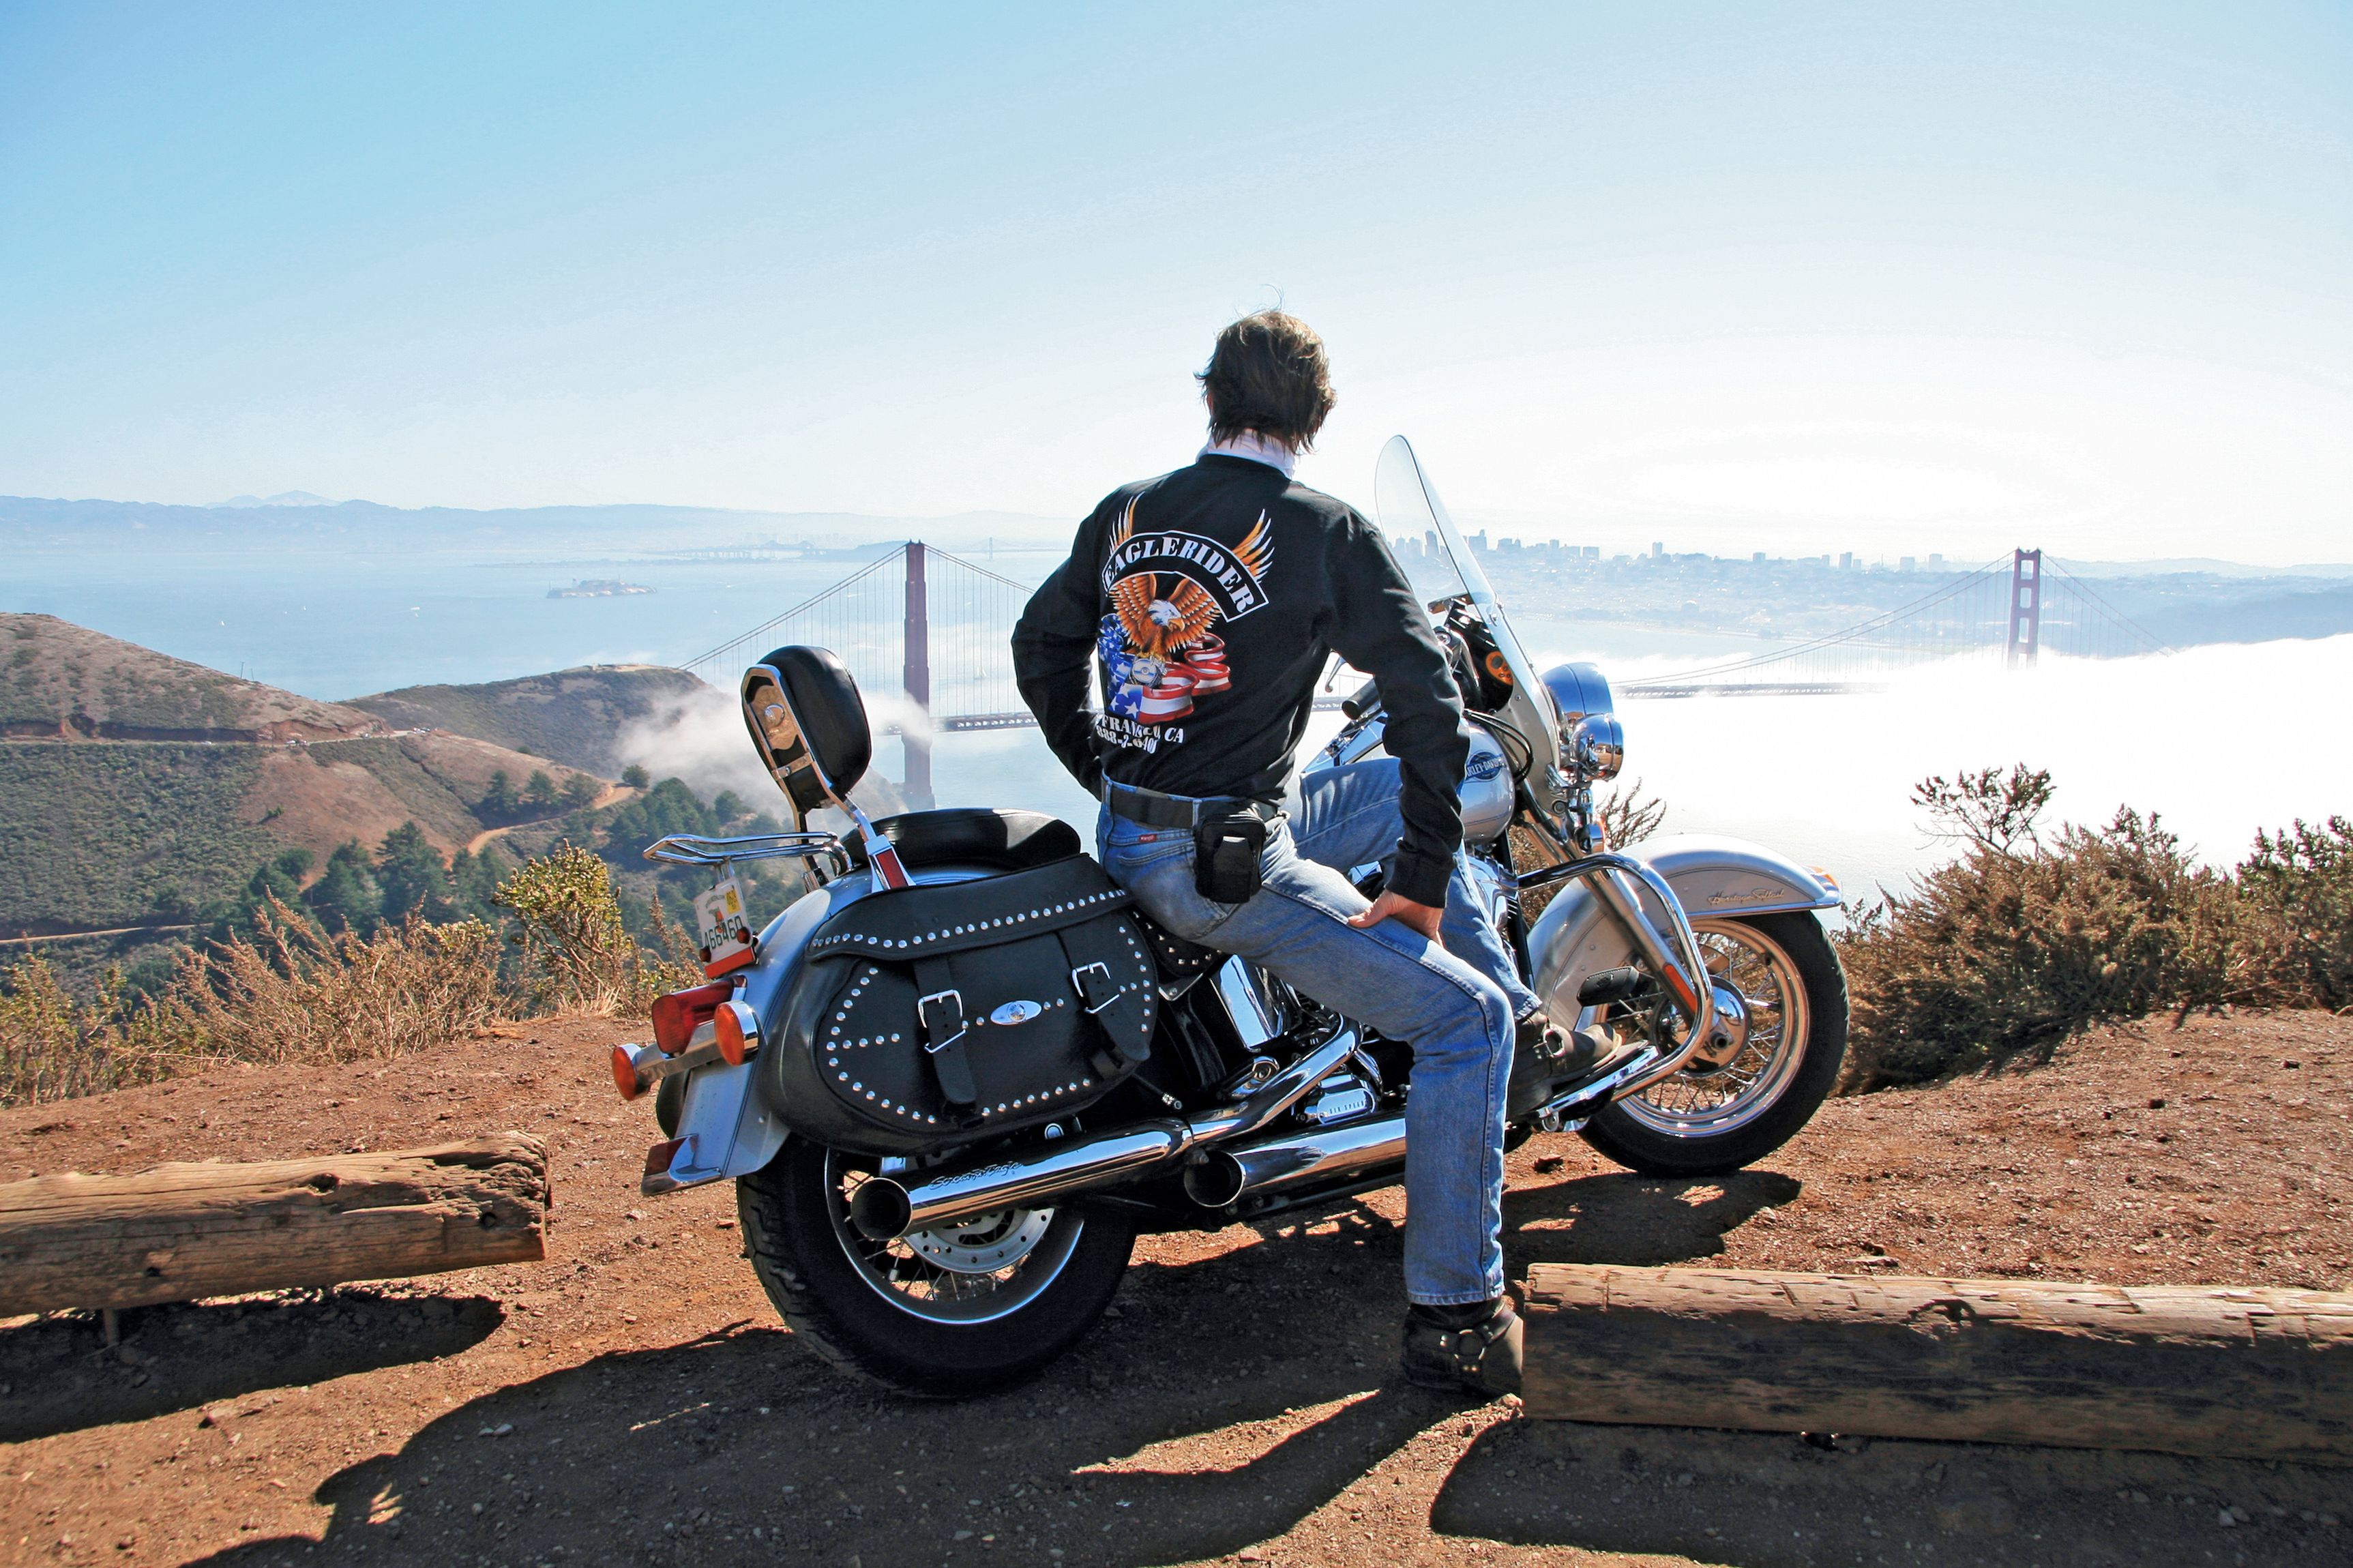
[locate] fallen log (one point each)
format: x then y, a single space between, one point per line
2254 1373
179 1232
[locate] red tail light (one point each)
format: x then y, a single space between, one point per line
679 1014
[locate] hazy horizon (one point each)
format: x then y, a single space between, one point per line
1031 532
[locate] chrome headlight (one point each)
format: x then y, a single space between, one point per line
1577 690
1596 746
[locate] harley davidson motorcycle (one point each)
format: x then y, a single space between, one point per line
955 1079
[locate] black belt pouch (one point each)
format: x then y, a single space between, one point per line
1226 851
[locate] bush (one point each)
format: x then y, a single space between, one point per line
2021 943
53 1047
581 957
273 987
2298 888
285 992
290 993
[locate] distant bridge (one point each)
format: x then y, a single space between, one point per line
928 634
918 621
2009 609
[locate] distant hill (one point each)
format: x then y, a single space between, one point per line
577 717
2327 613
133 785
63 681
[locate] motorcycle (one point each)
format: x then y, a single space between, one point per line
955 1079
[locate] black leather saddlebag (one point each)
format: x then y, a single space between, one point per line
934 1014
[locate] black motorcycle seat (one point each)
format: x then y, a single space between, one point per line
974 835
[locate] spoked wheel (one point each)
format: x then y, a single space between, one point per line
1769 1062
957 1310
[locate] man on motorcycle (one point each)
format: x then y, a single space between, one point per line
1213 597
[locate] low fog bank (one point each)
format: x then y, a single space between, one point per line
2220 741
701 741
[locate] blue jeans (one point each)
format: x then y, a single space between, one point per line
1348 816
1408 988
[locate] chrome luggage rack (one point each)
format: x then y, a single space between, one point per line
691 849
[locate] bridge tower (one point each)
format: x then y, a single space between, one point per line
2025 607
916 679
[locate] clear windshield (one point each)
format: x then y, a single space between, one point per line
1408 508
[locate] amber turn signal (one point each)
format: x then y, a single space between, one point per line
736 1030
627 1075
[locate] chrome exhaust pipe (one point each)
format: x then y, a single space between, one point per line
1294 1160
885 1208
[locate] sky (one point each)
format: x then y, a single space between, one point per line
1883 278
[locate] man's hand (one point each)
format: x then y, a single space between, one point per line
1423 918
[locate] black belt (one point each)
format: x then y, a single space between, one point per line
1150 809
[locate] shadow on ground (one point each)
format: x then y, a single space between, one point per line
57 1374
1767 1502
1636 1221
1227 1400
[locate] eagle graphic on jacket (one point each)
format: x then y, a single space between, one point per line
1158 650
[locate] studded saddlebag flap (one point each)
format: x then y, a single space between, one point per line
934 1014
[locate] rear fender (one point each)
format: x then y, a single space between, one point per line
1710 876
727 1127
724 1128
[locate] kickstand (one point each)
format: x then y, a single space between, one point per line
110 1326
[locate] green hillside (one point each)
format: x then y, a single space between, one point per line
97 835
136 787
573 716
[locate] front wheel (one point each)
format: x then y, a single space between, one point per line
959 1310
1774 1056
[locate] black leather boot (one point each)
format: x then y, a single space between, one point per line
1464 1350
1543 1059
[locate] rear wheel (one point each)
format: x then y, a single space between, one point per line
959 1310
1771 1061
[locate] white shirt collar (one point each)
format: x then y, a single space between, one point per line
1257 448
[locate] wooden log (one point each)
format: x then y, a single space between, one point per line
179 1232
2256 1374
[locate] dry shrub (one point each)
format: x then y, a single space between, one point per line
1627 816
290 993
582 959
55 1047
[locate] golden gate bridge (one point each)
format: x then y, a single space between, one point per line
2010 609
926 633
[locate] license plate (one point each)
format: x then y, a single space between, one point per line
723 931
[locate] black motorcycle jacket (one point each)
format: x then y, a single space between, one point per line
1211 599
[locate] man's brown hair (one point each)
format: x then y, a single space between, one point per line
1268 374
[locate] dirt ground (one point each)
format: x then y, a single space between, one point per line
634 1399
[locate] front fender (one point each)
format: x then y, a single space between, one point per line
1711 874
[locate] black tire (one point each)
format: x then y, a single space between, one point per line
1622 1134
793 1233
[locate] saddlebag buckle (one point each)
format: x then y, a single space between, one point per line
942 1015
1096 988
